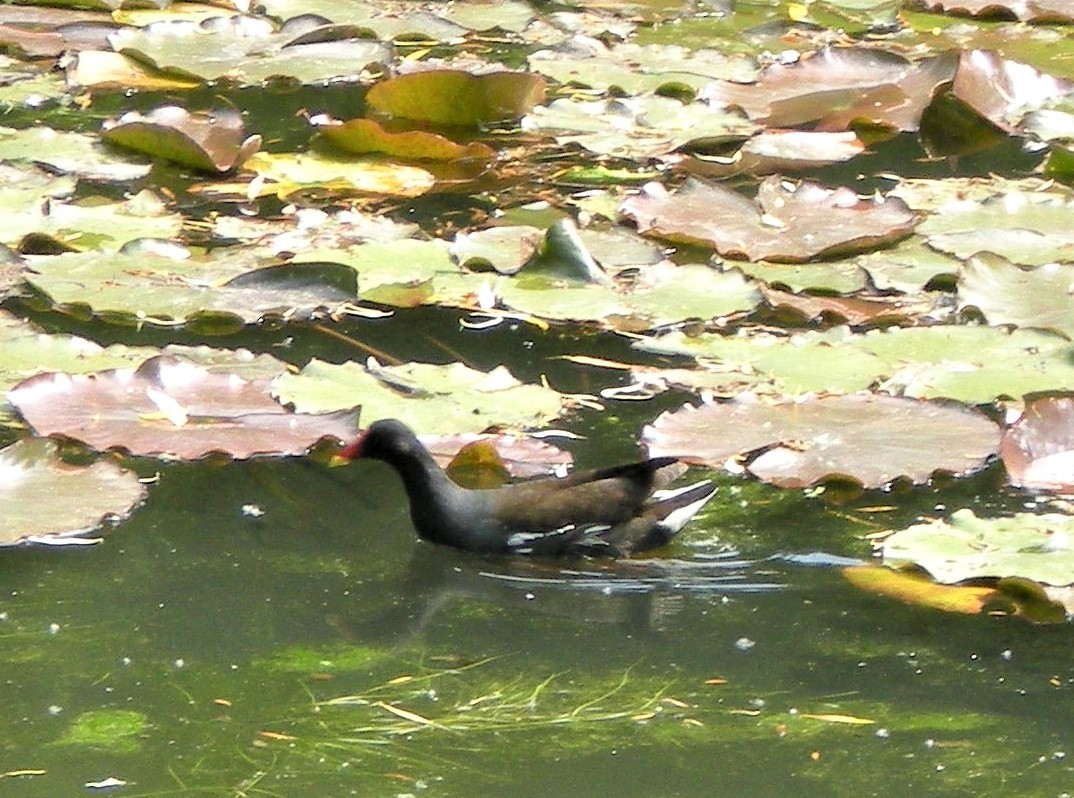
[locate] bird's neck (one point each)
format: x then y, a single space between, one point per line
424 480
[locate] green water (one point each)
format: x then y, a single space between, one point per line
318 649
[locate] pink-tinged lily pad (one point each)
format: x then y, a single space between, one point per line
78 500
456 97
522 456
869 439
172 408
788 222
1038 449
836 87
1002 90
211 142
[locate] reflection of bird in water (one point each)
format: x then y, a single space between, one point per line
641 595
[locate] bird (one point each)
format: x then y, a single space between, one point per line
608 512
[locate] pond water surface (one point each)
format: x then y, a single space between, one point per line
275 629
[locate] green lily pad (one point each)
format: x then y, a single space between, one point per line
430 398
963 547
1024 228
170 285
289 173
455 97
802 363
103 225
248 50
71 153
636 69
636 127
81 500
1007 294
363 136
972 364
25 351
663 294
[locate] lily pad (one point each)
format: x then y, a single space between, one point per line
637 127
285 174
170 284
364 136
70 153
636 69
247 50
872 440
973 364
1038 449
171 408
456 97
1007 294
432 399
212 142
787 222
81 500
838 86
963 547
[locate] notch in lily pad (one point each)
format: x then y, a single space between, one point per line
213 141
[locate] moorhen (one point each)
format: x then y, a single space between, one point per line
609 512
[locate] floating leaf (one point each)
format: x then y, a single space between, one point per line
1038 449
363 136
163 285
836 87
787 222
70 153
919 590
103 69
636 69
1007 294
1036 11
455 97
431 398
872 440
247 49
289 173
1003 91
637 127
962 547
212 142
79 498
171 408
973 364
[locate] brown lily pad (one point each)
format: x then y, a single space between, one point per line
1036 11
836 87
172 408
1038 449
788 222
211 142
872 440
80 499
